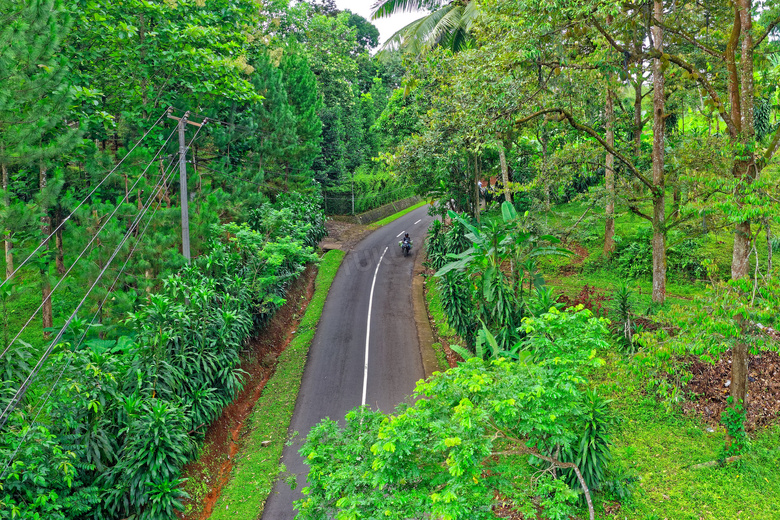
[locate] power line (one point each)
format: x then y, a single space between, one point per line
62 223
81 340
33 373
83 252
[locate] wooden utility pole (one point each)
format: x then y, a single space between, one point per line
183 191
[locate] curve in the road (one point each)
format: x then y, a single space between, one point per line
358 356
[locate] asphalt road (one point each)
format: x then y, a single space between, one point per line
335 378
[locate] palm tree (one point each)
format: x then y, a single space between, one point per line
447 24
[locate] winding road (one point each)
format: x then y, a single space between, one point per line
366 349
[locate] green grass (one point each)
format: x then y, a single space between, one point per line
660 447
253 476
394 216
596 271
443 329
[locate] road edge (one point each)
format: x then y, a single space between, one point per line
421 321
249 485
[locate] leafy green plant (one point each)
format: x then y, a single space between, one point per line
733 418
456 300
633 258
481 421
592 453
44 481
492 268
145 479
543 299
625 327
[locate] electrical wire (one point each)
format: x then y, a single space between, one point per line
83 336
33 373
62 223
84 251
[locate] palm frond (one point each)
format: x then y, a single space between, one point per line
471 12
404 38
447 26
384 8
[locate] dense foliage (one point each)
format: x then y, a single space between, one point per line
479 435
657 120
128 410
493 281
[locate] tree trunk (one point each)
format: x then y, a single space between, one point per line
742 114
740 259
476 190
46 311
9 256
659 127
504 172
739 374
609 179
638 113
768 248
60 258
545 177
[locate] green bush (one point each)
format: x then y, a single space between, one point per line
633 258
592 451
371 187
478 431
129 410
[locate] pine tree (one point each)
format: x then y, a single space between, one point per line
271 121
305 103
33 95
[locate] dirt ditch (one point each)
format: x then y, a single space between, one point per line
211 471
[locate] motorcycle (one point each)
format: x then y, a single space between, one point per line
406 246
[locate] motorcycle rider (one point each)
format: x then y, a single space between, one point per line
406 243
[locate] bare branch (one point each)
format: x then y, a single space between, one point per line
565 236
609 38
566 115
522 449
690 39
774 144
636 211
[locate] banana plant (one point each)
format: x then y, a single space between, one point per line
500 251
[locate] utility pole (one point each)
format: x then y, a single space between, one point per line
183 191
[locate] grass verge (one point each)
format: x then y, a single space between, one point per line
660 446
253 476
394 216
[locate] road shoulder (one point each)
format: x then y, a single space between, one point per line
423 324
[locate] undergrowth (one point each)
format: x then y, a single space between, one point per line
394 216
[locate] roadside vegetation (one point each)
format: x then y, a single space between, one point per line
266 432
606 177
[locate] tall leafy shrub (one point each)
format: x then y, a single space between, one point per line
129 410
